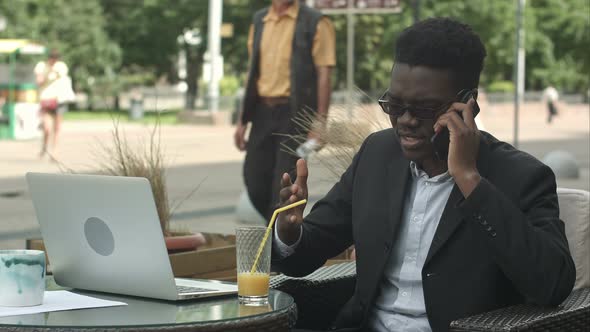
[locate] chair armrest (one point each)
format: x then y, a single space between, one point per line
320 295
572 315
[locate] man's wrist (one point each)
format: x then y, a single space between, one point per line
283 249
467 181
288 234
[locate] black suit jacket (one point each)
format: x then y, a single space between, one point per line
503 245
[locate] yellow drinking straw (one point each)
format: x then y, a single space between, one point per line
269 228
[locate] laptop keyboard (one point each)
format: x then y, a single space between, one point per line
191 289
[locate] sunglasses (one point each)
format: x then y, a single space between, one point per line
419 112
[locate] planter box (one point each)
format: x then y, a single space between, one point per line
215 260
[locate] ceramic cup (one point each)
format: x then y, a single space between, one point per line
22 277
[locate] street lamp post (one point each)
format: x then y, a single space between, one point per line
519 69
214 46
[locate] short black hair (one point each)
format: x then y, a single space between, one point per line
446 44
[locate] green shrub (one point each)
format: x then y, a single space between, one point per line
501 86
229 85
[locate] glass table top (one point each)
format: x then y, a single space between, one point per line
149 312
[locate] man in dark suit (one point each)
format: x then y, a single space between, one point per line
436 238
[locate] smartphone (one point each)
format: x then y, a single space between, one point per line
441 140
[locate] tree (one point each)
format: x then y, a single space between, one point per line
564 39
234 49
494 22
119 41
75 28
556 38
148 34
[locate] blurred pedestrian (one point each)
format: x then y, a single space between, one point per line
292 52
550 96
55 92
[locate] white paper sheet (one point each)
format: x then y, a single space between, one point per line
60 300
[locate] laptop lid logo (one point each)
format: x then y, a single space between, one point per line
99 236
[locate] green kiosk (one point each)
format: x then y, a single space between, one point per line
19 118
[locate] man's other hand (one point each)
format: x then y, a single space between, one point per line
290 221
240 137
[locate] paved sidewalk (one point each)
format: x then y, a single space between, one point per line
198 152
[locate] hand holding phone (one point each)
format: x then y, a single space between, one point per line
441 140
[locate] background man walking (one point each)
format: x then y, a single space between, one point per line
292 52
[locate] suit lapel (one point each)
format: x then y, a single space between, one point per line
396 179
392 196
449 221
451 217
398 172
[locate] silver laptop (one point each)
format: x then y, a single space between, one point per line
102 234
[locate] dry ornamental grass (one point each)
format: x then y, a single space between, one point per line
342 133
121 159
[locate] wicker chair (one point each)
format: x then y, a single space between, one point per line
320 295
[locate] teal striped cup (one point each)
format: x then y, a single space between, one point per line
22 277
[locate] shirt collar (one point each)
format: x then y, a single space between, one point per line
417 172
292 12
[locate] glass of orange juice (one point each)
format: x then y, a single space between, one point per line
252 282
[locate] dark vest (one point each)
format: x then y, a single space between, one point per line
303 94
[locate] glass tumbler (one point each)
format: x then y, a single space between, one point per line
252 282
